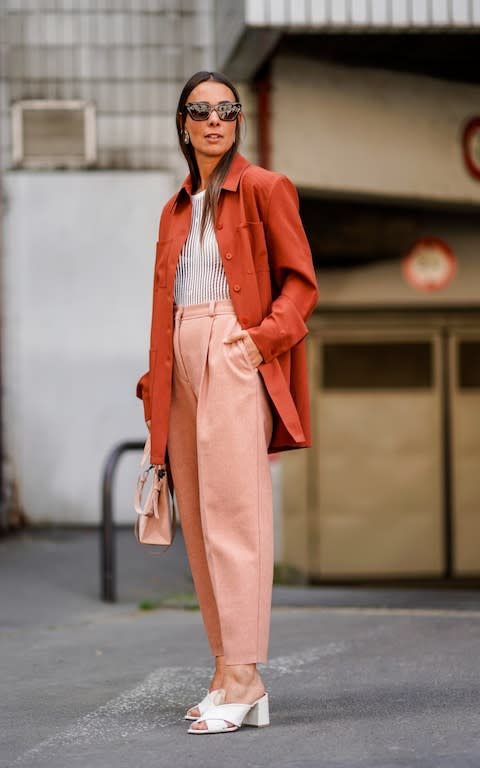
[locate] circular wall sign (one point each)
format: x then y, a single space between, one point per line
430 265
471 146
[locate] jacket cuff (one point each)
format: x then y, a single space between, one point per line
143 393
279 331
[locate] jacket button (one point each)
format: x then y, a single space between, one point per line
236 288
228 256
219 225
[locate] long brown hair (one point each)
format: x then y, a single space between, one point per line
214 186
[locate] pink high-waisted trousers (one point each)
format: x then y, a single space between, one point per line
219 431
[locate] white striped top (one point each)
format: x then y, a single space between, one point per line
200 276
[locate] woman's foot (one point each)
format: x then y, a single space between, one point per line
224 718
242 684
215 684
206 703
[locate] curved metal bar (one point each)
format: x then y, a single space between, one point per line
107 530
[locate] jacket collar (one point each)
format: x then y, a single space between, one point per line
230 183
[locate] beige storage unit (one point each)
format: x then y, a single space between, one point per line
379 454
465 449
391 487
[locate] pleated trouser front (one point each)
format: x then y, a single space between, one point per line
219 431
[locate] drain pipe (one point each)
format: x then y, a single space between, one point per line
3 505
263 88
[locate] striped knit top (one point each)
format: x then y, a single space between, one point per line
200 276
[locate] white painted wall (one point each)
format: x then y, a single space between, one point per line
78 263
352 130
79 254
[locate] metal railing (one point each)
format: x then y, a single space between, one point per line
107 530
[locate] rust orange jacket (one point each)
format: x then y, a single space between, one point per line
269 270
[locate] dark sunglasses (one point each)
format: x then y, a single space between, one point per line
201 110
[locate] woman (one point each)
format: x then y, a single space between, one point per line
227 384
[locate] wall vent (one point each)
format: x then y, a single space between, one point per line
53 134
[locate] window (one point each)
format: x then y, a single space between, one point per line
377 365
469 365
53 134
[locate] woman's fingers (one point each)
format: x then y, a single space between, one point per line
252 350
235 337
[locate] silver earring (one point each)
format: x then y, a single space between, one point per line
186 137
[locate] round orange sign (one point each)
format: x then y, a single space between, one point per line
471 146
430 265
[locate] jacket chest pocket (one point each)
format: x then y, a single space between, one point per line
253 242
161 263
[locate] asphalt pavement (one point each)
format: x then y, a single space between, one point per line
357 678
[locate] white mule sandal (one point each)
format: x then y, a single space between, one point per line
202 707
217 716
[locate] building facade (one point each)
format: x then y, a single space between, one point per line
88 153
372 108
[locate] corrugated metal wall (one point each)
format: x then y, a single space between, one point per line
362 13
129 57
247 32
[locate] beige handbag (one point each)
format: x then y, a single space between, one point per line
155 523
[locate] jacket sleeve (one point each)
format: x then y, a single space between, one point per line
292 272
143 392
143 385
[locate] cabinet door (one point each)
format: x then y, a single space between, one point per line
465 414
379 438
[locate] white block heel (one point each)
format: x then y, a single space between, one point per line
259 715
224 718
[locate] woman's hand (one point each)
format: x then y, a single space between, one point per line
253 351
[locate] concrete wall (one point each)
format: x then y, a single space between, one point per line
79 254
382 283
361 132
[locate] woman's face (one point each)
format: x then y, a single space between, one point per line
213 137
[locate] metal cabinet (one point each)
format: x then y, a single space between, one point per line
391 486
379 454
464 367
